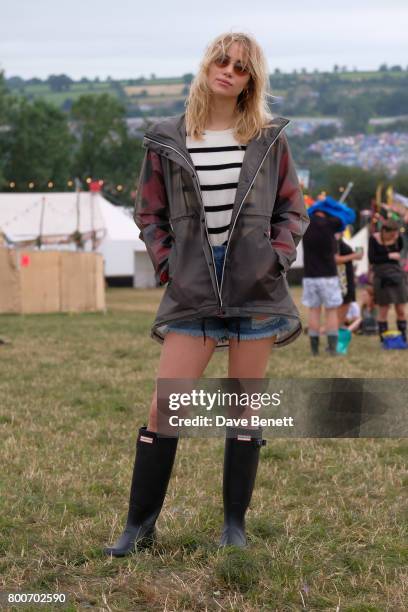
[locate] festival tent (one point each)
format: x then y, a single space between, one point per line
61 220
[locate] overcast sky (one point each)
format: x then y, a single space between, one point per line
130 38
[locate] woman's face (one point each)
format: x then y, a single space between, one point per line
224 80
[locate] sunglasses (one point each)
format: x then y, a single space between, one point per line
224 60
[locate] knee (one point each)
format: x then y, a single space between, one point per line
153 405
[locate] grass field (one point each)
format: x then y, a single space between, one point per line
327 522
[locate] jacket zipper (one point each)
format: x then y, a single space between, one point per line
242 202
202 204
219 287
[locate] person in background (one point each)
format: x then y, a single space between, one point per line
353 318
390 282
344 259
321 284
369 312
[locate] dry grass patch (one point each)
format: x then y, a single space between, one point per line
327 523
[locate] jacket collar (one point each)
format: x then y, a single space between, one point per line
171 132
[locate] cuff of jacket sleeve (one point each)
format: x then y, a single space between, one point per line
283 262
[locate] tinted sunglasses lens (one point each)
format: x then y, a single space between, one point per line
222 61
240 70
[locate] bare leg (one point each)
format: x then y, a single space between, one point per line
383 313
249 358
331 319
314 319
400 311
182 356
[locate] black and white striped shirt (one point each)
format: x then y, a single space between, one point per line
218 161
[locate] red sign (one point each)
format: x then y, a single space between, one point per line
95 186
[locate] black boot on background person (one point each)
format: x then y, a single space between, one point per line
151 474
402 327
332 340
241 457
382 328
314 344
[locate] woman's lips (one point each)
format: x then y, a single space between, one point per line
224 82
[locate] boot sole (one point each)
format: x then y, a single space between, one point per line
146 542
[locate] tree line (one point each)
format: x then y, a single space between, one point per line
42 146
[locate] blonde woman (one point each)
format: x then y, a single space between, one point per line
221 212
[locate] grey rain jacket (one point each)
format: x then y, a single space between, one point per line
268 220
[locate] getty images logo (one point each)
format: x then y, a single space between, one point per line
206 400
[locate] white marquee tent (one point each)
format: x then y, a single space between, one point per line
57 216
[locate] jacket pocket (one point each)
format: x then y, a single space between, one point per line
274 270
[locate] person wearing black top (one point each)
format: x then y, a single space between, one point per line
321 284
390 281
344 259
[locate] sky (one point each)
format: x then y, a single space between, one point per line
131 38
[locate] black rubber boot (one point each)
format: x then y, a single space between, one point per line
402 327
314 344
151 474
382 328
332 344
241 458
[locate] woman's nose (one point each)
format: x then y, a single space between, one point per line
228 69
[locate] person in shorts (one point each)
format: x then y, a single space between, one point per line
390 279
321 283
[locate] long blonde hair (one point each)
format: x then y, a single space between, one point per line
252 106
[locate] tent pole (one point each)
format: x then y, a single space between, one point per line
39 239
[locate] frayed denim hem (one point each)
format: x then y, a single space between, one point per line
256 336
195 332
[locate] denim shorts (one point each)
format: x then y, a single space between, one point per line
224 328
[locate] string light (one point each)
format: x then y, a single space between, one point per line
70 183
